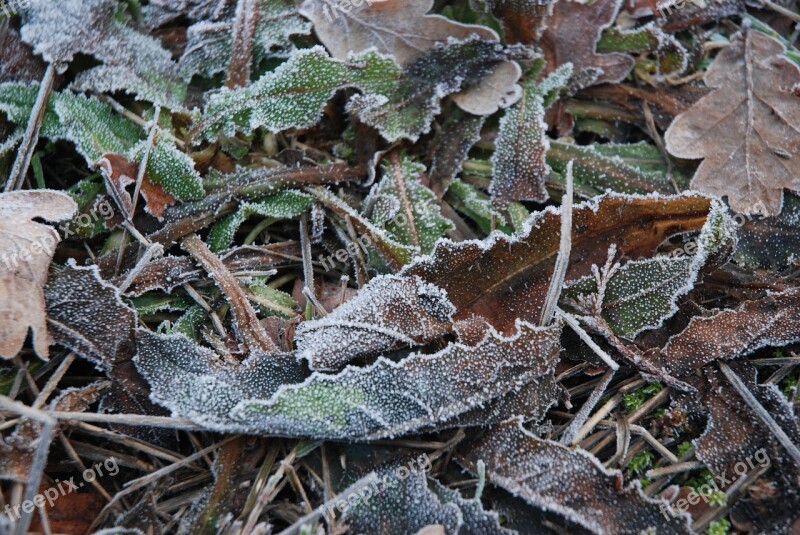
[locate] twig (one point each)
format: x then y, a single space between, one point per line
583 414
760 411
31 137
573 323
564 249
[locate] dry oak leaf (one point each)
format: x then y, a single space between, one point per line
748 129
571 37
27 248
402 28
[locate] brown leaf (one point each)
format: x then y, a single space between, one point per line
27 248
401 28
523 20
18 62
572 34
748 130
771 321
122 173
571 483
514 271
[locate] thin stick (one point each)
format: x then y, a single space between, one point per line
31 137
583 414
760 411
573 323
564 249
164 422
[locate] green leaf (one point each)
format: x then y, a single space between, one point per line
641 294
671 56
272 302
400 191
407 112
476 205
284 205
93 126
170 167
633 168
294 94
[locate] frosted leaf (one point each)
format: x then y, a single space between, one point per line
477 206
773 321
420 392
132 61
570 483
18 62
477 521
10 142
445 69
170 168
401 189
402 505
516 270
531 403
641 294
284 205
294 94
770 242
91 125
735 441
26 248
519 168
624 168
86 314
194 382
388 313
453 141
159 12
208 46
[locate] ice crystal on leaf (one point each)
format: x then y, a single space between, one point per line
389 312
401 191
131 61
571 483
90 124
641 294
208 46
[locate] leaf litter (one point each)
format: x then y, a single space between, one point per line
358 295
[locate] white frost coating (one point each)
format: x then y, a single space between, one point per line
571 483
134 62
391 398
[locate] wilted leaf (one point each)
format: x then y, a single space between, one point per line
122 173
27 248
386 314
747 129
773 320
402 28
516 270
572 483
571 37
519 168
